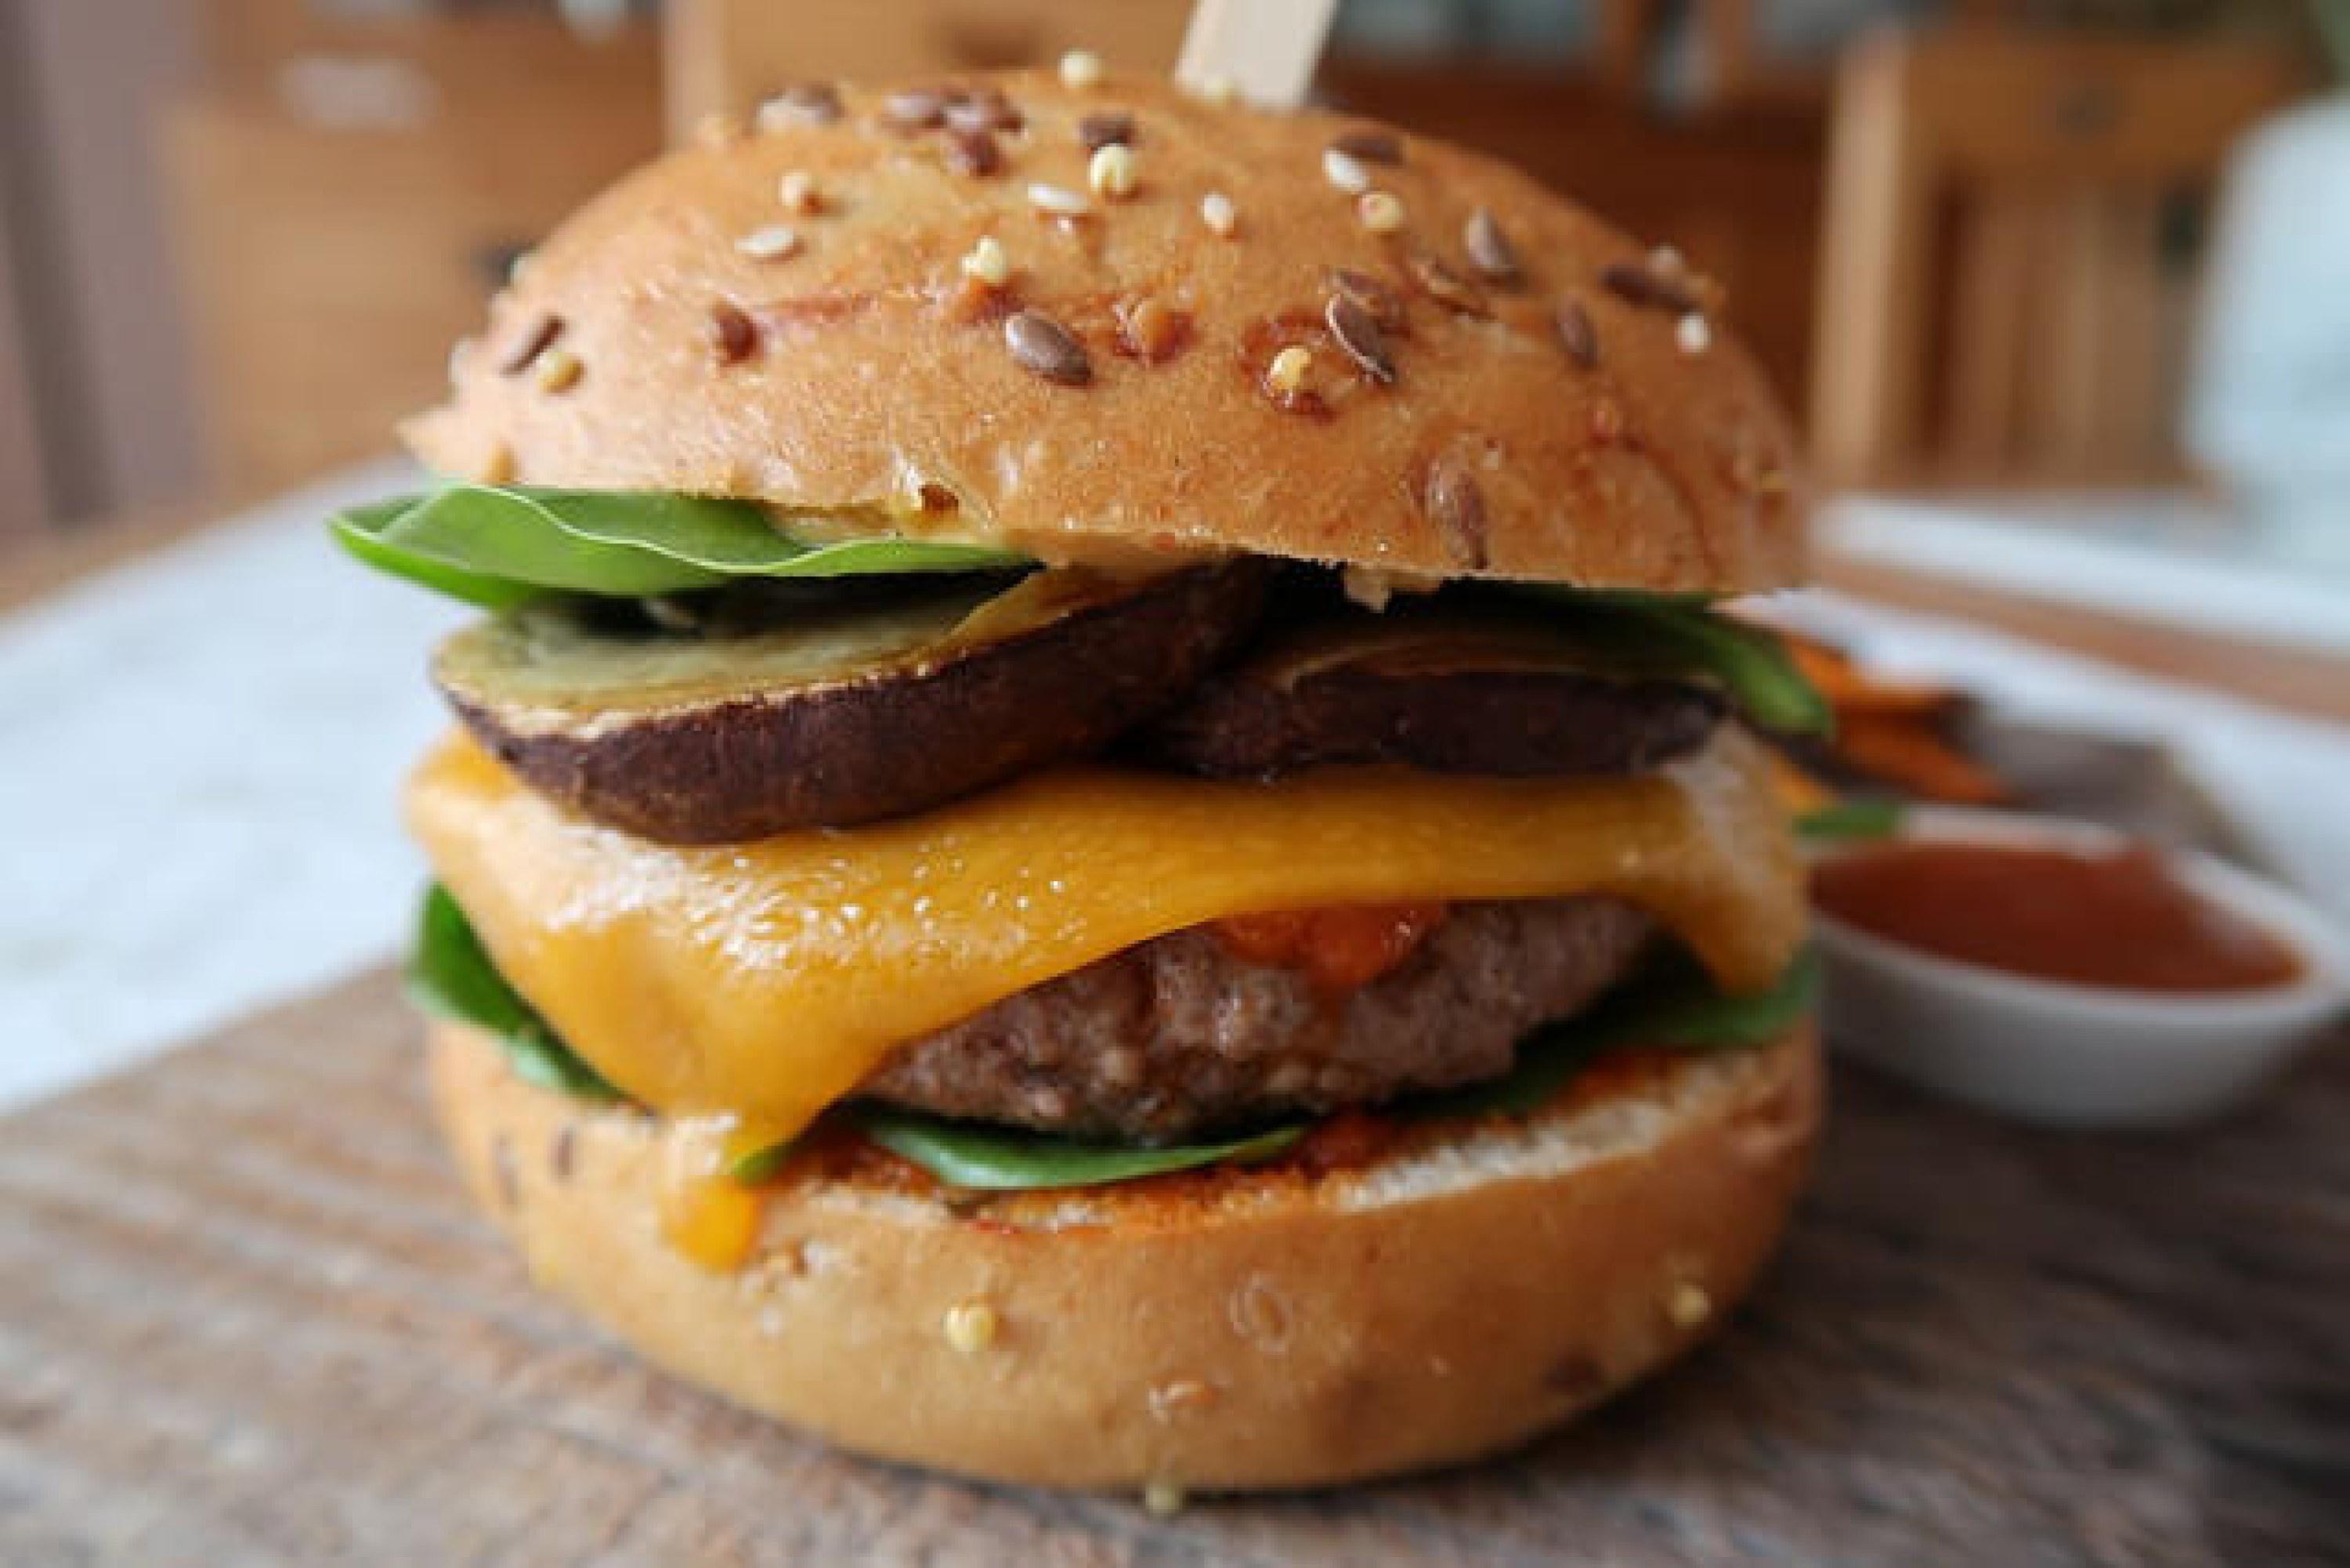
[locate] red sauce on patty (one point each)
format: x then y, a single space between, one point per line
1339 950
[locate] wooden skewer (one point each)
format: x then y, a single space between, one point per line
1265 49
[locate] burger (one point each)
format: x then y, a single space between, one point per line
1105 828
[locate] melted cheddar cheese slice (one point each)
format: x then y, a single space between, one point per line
763 981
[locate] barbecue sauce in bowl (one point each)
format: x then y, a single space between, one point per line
2114 919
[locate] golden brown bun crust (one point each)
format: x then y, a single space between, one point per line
1664 465
1271 1333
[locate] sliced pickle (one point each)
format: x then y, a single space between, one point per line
1447 692
845 709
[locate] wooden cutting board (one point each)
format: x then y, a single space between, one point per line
246 1318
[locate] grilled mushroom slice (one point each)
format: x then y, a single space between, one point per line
1442 693
846 711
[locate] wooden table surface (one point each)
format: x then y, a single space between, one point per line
246 1318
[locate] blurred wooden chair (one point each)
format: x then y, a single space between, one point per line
340 216
724 56
2005 284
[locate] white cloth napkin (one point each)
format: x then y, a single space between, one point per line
199 758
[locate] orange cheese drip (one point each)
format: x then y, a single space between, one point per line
705 1214
765 979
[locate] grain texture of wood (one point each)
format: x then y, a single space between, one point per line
246 1317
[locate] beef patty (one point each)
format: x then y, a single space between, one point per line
1176 1037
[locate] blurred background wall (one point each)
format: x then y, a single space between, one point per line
89 323
240 234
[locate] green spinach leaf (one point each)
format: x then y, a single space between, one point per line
361 529
1005 1159
498 546
1850 819
1748 659
450 975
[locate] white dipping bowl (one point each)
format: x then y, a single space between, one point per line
2077 1055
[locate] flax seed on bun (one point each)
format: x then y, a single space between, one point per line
1534 395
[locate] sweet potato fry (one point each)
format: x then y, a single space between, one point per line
1851 689
1911 756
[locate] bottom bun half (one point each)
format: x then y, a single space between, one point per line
1471 1285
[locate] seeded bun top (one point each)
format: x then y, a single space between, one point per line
1293 334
